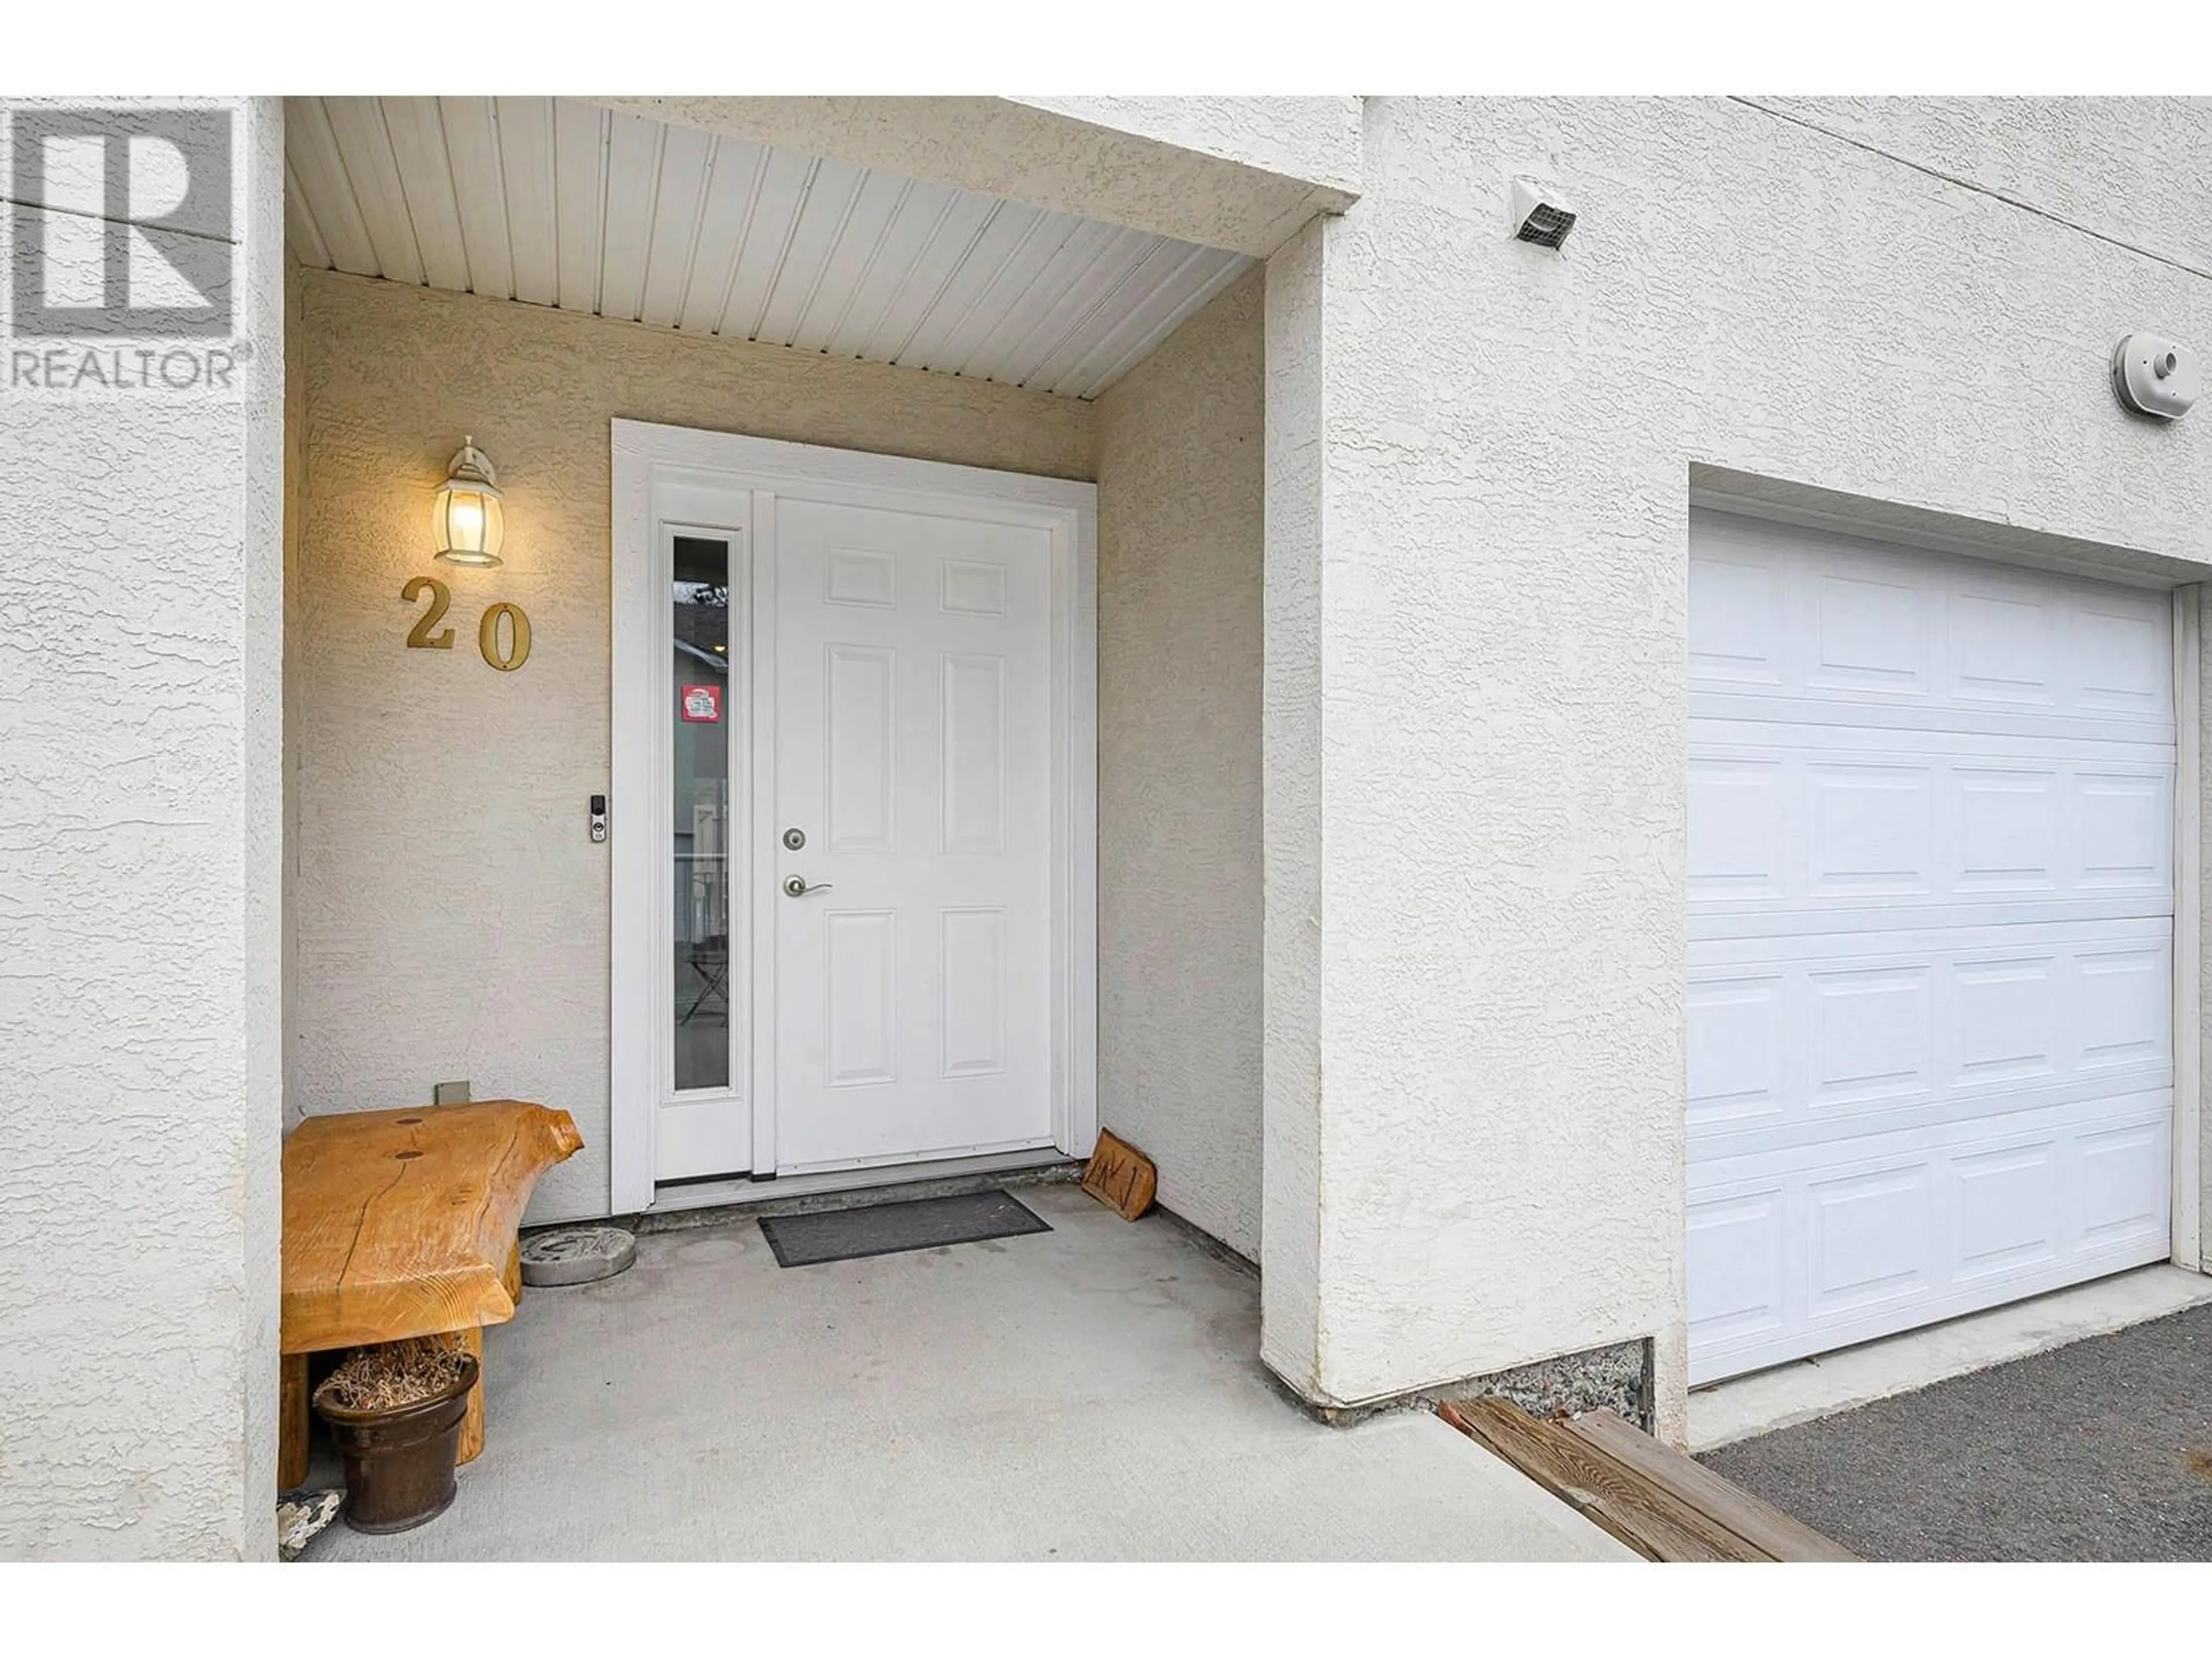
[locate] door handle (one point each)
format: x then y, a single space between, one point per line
798 887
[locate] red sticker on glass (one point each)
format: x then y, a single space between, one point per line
703 702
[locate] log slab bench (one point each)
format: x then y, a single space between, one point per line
404 1224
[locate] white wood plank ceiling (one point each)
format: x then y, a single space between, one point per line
556 202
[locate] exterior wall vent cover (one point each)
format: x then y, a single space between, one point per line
1546 227
1535 212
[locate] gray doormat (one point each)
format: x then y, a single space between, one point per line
919 1224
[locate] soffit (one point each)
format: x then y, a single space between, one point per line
559 202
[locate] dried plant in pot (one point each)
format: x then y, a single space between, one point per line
395 1411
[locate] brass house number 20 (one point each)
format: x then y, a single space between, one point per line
507 656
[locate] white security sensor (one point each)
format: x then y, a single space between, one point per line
2154 376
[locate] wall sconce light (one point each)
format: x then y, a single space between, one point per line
467 523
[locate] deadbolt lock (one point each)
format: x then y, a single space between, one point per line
794 839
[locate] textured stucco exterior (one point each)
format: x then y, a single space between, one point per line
451 915
1290 726
1180 489
295 456
2112 167
1505 440
139 605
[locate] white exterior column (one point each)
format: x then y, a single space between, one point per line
1292 739
1471 1165
140 601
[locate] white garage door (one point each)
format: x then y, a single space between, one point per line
1931 924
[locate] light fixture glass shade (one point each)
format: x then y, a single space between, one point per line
467 521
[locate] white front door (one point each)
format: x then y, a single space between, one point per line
1931 937
912 812
854 812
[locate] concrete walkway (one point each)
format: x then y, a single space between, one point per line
1090 1392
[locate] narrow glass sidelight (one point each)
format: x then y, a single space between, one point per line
700 826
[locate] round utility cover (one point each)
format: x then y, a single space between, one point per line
576 1255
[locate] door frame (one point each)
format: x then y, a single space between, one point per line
652 465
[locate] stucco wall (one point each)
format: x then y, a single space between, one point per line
139 605
1180 499
295 456
1295 414
451 915
1507 437
2114 166
1313 139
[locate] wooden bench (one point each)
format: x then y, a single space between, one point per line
404 1224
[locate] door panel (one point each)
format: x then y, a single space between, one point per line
913 699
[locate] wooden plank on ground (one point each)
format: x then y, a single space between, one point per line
1779 1535
1649 1521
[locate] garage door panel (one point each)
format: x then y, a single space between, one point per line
1777 829
2009 829
1871 1036
2007 1212
1797 1042
1858 720
1836 618
1746 926
2006 1018
1870 630
2122 1014
2123 830
2120 646
1736 627
2123 1189
1738 1050
1778 1135
1738 1256
1930 916
1740 839
1873 828
2092 1121
1885 1232
1870 1239
1805 737
1916 937
2005 641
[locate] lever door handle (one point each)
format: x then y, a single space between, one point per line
798 886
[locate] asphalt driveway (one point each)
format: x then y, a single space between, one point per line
2097 1451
